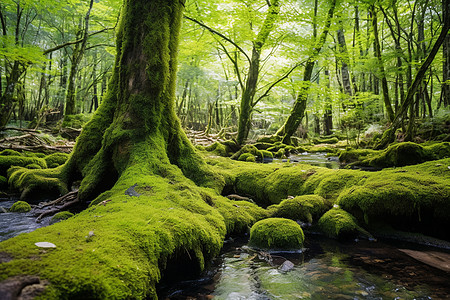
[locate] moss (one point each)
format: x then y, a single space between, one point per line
269 139
410 198
305 208
33 154
437 151
266 154
329 140
339 224
56 159
353 155
277 234
33 166
37 184
10 152
398 155
262 146
20 207
246 149
75 121
250 159
280 153
8 161
245 156
63 215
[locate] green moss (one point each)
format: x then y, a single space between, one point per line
8 161
269 139
33 166
245 156
246 149
10 152
33 154
280 153
329 140
76 121
266 154
56 159
306 208
63 215
437 151
250 159
36 184
353 155
20 207
339 224
276 233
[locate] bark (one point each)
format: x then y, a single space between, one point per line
446 65
298 111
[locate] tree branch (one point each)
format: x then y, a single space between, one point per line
266 93
213 31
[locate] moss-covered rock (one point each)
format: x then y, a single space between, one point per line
339 224
326 140
63 215
354 155
56 159
20 207
276 233
266 154
250 149
33 166
10 152
246 157
37 184
306 208
11 160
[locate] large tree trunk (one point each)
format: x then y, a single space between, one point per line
135 155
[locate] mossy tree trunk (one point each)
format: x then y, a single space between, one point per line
150 191
298 111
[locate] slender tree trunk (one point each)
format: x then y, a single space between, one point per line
77 55
298 111
446 64
248 94
384 83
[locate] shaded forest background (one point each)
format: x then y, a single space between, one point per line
353 67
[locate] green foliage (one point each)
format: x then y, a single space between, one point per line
20 207
276 234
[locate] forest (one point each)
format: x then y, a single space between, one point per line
140 140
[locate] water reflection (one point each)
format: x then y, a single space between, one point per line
326 270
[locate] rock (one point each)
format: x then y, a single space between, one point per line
287 266
45 245
131 192
11 288
439 260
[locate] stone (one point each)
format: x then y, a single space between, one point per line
45 245
287 266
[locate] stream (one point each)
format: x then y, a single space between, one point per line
325 269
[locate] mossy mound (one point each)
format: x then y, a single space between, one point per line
20 207
354 155
37 184
326 140
10 152
33 166
56 159
306 208
76 121
63 215
247 157
339 224
276 234
8 161
411 198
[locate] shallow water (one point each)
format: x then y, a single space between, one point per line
319 159
326 269
12 224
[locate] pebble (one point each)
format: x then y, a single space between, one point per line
45 245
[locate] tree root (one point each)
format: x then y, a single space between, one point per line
57 205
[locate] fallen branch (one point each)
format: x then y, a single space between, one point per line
68 200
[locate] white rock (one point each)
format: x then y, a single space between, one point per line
45 245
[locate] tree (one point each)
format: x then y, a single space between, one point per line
134 154
297 112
